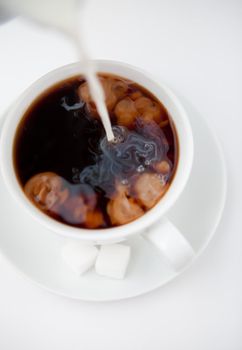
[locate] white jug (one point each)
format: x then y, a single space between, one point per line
55 13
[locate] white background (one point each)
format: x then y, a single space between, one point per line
196 48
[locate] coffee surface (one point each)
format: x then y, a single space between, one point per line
69 170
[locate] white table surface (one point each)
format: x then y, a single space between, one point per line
196 48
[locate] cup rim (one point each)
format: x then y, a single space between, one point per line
175 109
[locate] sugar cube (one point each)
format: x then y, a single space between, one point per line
112 260
80 257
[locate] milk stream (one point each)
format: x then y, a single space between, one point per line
66 16
94 84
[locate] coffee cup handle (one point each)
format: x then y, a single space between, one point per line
174 247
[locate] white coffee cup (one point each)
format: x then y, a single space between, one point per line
152 225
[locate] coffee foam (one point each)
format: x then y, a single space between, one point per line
132 152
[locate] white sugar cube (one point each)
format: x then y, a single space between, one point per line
80 257
112 260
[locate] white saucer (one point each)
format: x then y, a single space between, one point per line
35 252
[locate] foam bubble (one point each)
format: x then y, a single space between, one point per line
68 107
140 169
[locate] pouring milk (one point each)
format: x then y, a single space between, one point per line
65 16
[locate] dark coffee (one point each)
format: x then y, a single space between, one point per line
69 170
